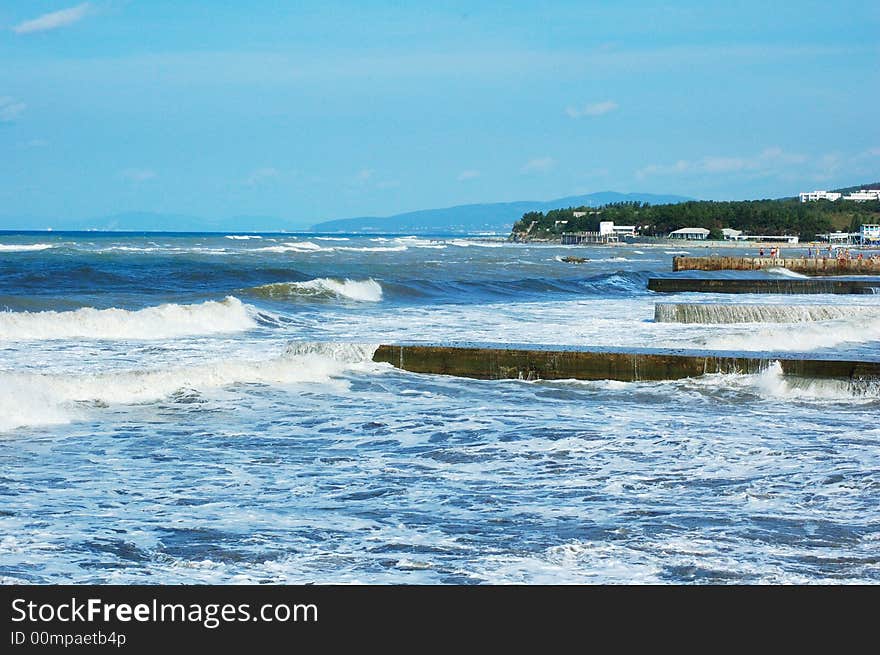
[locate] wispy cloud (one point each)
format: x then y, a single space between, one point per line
538 165
137 175
594 109
10 109
260 175
363 176
54 20
769 161
468 175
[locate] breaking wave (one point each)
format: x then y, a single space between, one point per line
784 272
706 313
29 247
324 287
811 336
243 237
160 322
30 399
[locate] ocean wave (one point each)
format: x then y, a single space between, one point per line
360 290
292 246
32 399
243 237
810 336
770 384
722 313
469 243
784 272
160 322
24 247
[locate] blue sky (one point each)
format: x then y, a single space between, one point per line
313 111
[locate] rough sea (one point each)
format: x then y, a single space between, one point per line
203 408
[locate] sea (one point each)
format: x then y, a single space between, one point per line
204 408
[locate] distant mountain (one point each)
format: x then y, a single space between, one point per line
487 217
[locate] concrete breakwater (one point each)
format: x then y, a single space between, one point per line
805 265
762 285
720 313
501 362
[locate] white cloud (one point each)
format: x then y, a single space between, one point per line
35 143
137 174
769 161
594 109
261 175
10 109
54 20
468 175
363 176
538 165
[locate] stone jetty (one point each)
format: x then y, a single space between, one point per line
805 265
529 362
762 285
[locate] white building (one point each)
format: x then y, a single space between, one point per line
690 233
869 234
811 196
730 234
863 195
608 228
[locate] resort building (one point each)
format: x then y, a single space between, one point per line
730 234
811 196
690 233
863 195
869 234
608 227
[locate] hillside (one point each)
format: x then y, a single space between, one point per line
488 217
771 217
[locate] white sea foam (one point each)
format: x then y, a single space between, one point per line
24 247
467 243
399 248
293 246
160 322
242 237
772 384
720 313
323 287
784 272
28 399
809 336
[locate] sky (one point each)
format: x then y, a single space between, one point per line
312 111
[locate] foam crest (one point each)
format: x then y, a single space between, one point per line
323 287
243 237
706 313
293 246
29 399
160 322
771 383
784 272
24 247
810 336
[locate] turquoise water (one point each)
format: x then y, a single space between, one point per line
204 408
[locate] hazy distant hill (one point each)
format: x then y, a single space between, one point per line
487 217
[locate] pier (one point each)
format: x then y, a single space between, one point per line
762 285
528 362
804 265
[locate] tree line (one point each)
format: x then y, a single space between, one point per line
770 217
